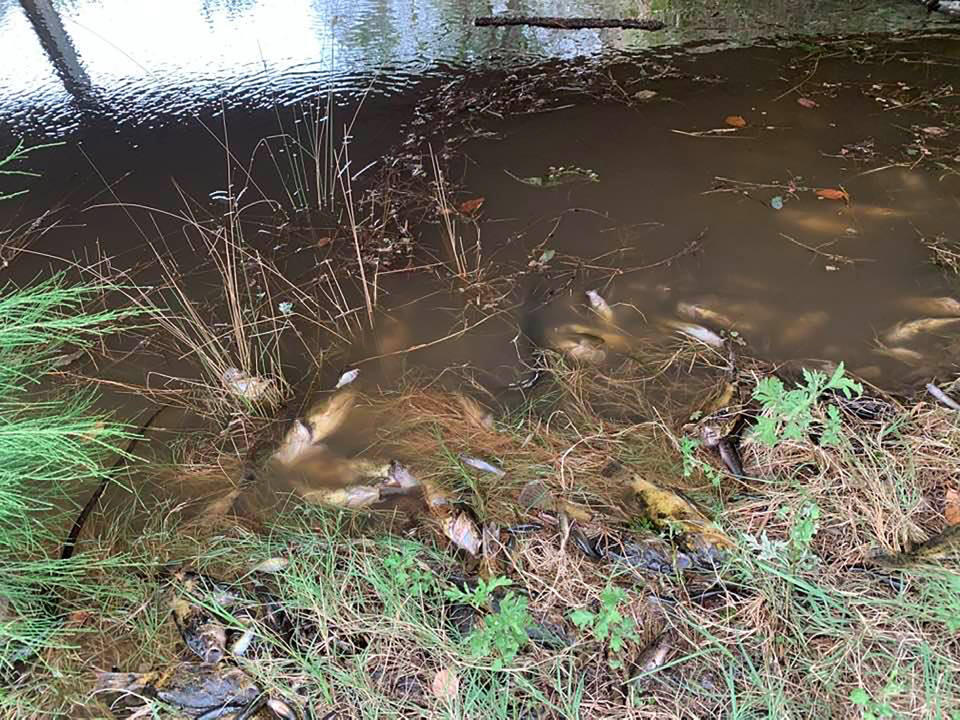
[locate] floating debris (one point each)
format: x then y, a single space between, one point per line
482 465
557 176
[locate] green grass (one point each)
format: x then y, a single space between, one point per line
52 451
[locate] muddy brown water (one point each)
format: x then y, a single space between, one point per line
146 120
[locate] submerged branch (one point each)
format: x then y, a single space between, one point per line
568 23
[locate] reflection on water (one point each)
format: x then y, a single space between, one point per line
150 62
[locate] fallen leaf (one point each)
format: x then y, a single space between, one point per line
644 95
736 121
471 206
951 509
934 131
833 194
446 685
807 103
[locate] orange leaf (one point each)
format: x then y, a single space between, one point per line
446 685
736 121
951 507
807 103
833 194
471 206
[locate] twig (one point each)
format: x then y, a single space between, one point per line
829 256
568 23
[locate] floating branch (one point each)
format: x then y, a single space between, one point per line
568 23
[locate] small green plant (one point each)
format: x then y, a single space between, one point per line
406 573
688 449
503 632
788 414
874 709
609 622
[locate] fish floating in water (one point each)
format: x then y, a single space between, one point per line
907 331
933 306
696 332
600 306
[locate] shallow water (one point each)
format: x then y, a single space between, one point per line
686 213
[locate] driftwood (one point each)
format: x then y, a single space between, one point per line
568 23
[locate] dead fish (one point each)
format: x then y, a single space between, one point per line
323 421
943 397
702 314
904 355
803 327
870 373
653 657
491 546
220 506
933 306
297 442
271 565
730 457
398 476
282 710
196 690
63 361
248 387
347 378
906 331
482 465
478 415
239 647
600 306
943 544
614 340
353 497
668 508
459 528
583 349
203 635
697 332
462 532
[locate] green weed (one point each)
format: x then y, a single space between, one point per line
504 631
788 414
608 623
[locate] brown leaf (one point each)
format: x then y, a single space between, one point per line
951 507
737 121
934 131
471 206
833 194
446 685
807 103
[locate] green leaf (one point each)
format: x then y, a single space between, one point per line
859 696
582 618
